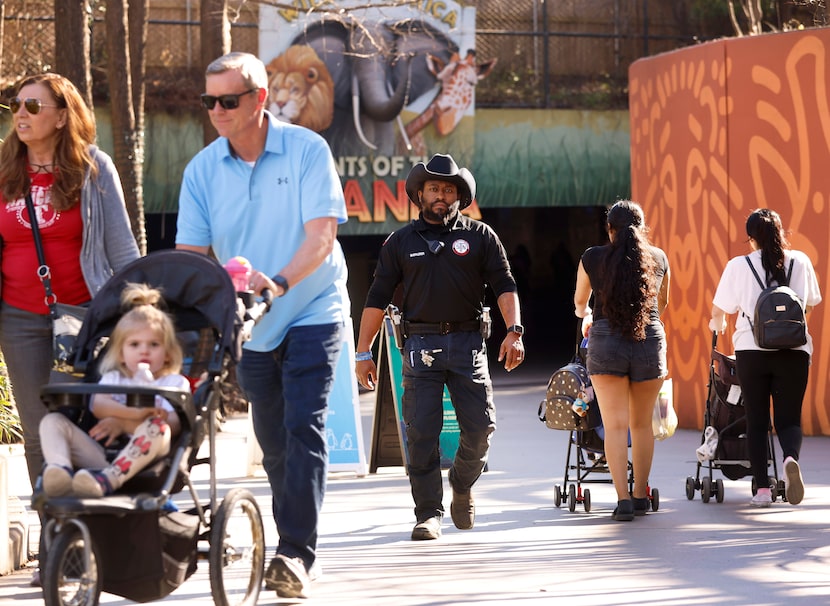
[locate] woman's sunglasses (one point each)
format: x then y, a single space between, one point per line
225 101
33 106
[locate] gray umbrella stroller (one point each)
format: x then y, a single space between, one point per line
570 405
135 543
723 444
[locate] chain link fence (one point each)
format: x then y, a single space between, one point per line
568 53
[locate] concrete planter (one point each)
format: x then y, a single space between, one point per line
14 525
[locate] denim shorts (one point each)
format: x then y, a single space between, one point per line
611 354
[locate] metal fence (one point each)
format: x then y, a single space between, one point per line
549 54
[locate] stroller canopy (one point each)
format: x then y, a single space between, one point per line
196 289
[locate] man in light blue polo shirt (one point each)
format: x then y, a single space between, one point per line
269 192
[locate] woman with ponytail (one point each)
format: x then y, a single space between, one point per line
764 374
629 279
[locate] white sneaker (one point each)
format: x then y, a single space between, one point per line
763 498
57 480
793 484
288 577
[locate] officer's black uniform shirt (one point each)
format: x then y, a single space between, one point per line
446 285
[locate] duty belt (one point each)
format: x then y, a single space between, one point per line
440 328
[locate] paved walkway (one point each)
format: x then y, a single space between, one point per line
524 550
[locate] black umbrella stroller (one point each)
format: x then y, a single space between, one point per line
135 543
723 444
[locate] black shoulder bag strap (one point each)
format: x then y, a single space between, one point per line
43 271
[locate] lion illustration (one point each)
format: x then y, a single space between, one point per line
300 89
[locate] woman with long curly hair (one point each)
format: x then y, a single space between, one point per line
629 279
764 374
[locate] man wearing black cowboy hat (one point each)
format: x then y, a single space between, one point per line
443 261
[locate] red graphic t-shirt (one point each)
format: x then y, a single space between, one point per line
61 233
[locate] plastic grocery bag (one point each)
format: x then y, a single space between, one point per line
664 419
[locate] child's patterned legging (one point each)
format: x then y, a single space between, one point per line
67 445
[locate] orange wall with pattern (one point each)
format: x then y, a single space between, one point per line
718 130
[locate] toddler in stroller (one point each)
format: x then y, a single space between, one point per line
84 546
142 346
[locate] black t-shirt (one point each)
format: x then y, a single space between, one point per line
446 285
593 260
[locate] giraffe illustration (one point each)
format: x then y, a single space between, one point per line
458 79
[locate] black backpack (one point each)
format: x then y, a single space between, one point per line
779 321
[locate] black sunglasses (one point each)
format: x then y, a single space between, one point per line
226 101
33 106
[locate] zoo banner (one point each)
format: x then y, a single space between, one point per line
386 86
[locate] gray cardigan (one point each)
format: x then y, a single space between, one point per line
108 242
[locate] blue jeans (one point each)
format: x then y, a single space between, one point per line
289 389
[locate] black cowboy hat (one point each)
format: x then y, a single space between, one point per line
441 167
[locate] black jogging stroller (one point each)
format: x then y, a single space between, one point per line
723 443
135 543
570 405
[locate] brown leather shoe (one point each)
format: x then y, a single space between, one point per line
427 530
463 509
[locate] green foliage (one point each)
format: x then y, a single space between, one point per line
511 88
10 430
710 18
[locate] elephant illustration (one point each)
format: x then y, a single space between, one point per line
377 68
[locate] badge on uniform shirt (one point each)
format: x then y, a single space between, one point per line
461 247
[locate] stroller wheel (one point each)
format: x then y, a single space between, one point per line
237 550
706 489
572 498
690 488
69 578
586 499
719 490
655 499
773 488
557 495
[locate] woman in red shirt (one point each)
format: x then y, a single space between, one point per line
81 215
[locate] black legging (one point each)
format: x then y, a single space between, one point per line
781 375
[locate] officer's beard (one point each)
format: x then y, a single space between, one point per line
442 217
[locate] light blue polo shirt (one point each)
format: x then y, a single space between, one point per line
258 212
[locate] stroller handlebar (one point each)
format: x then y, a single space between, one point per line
254 310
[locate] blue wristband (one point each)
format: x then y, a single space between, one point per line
362 356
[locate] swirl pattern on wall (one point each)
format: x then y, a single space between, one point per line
718 130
